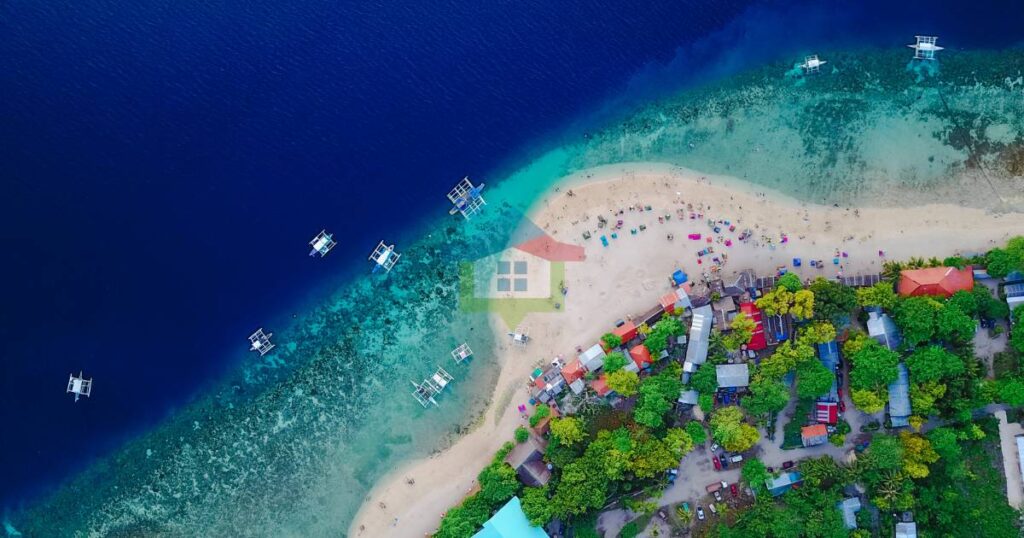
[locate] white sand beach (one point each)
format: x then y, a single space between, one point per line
627 278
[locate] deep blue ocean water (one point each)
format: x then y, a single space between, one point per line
165 163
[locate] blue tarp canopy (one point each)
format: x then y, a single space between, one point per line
510 522
679 277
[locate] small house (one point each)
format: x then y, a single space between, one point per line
641 356
1014 294
677 298
573 372
849 508
688 397
814 435
600 386
782 483
944 281
697 346
593 358
899 398
528 461
626 331
826 412
743 284
724 310
732 375
906 529
883 329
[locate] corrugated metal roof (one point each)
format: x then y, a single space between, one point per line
899 396
849 508
828 353
906 530
700 331
732 375
883 329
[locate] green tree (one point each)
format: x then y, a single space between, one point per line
705 379
611 340
881 295
665 328
623 382
706 402
813 380
1017 332
952 325
818 333
874 367
754 473
741 330
498 482
917 454
832 300
522 434
1011 391
988 306
657 394
614 362
568 430
915 316
933 363
791 282
542 412
787 356
869 401
964 301
923 397
766 396
536 505
729 429
886 453
696 431
776 302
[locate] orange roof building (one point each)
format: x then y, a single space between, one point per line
600 385
627 331
573 372
814 435
641 356
943 281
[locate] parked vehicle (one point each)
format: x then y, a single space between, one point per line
737 458
725 461
718 464
661 514
714 447
700 513
718 496
787 465
735 491
771 470
713 509
842 406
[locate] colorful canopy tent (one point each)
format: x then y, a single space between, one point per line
827 412
757 341
679 277
943 281
510 522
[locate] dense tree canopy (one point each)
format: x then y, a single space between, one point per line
1017 332
741 330
705 379
624 383
813 379
611 340
729 429
953 325
1002 261
696 432
657 394
791 282
568 430
881 295
874 366
614 362
915 317
832 300
780 301
933 363
665 328
766 396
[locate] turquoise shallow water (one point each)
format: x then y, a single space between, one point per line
290 444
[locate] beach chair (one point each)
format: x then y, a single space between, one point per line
604 241
796 262
835 261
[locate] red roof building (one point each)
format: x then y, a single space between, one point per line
757 341
626 332
827 412
814 435
943 281
600 385
573 371
641 356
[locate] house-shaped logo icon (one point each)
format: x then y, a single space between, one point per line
528 276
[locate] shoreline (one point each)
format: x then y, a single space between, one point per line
631 272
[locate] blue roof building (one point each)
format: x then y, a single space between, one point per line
828 353
899 398
883 329
781 484
510 522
